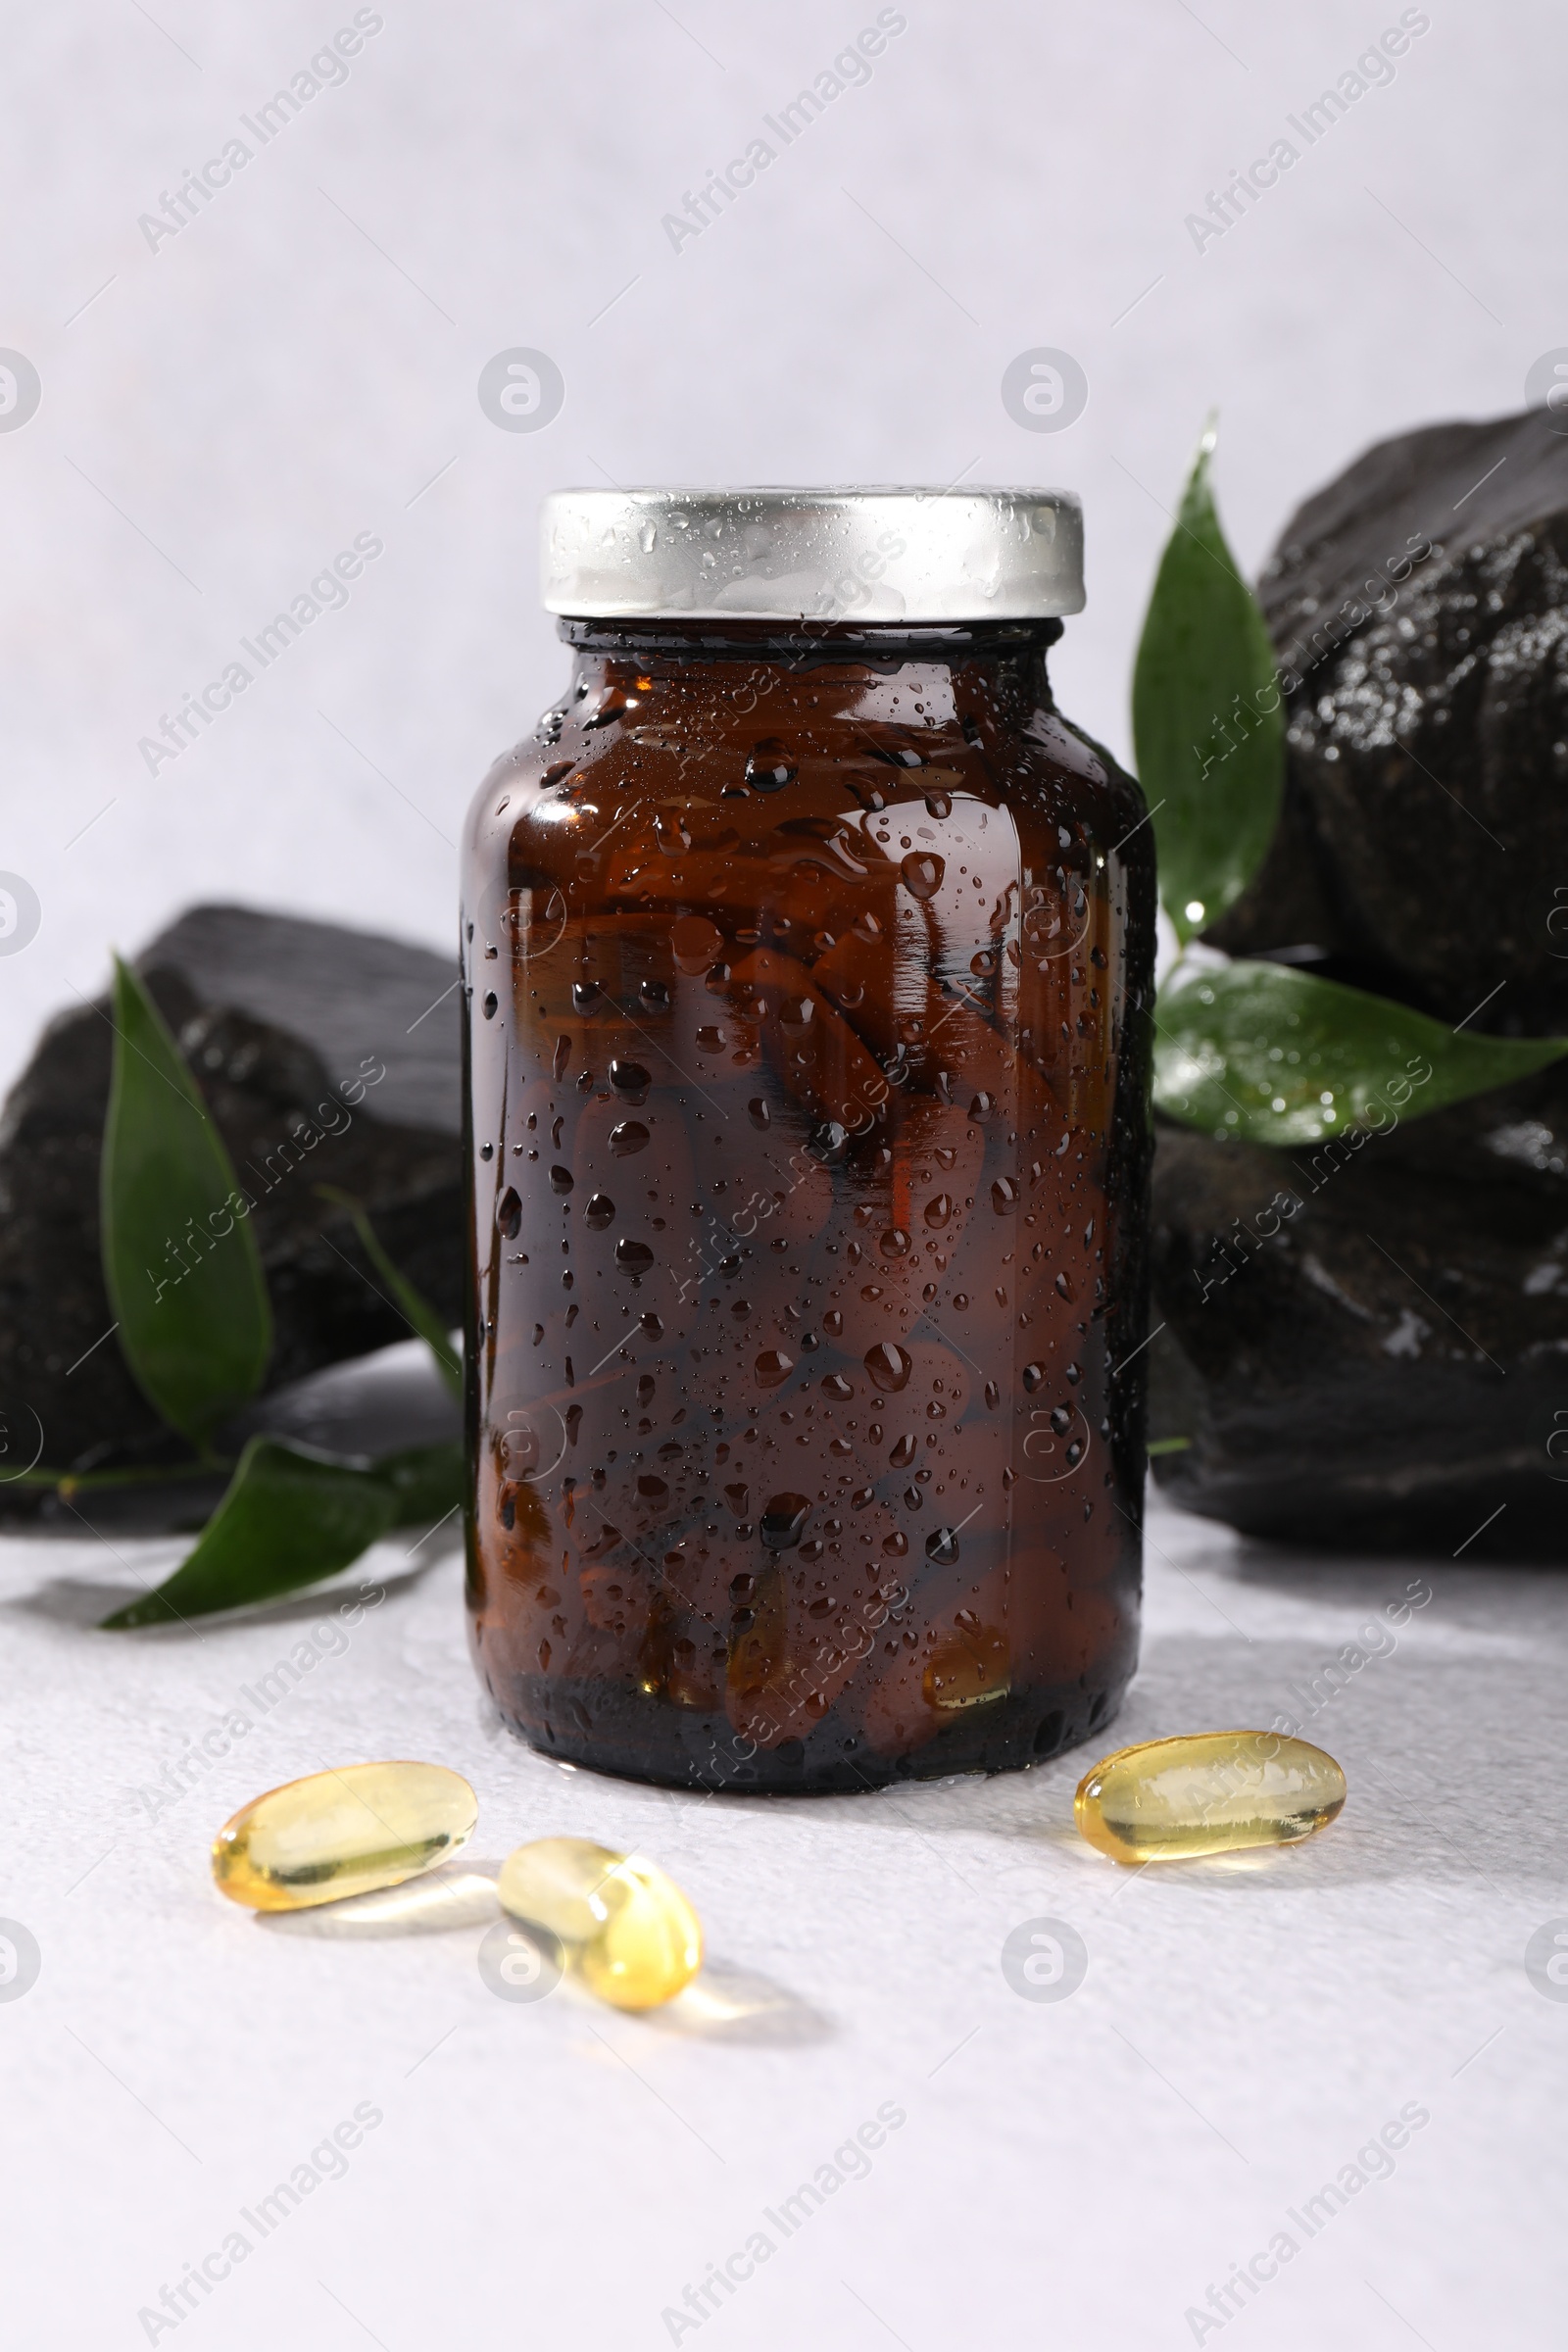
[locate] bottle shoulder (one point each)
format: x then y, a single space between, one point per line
713 777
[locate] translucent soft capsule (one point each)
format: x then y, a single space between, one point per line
634 1936
342 1832
567 1885
1208 1793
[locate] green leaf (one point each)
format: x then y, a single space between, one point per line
412 1303
1252 1050
290 1517
179 1255
429 1483
1207 721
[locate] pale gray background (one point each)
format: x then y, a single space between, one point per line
269 383
218 422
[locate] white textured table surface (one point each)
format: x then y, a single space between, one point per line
1076 2173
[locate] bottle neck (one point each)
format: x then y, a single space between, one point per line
936 670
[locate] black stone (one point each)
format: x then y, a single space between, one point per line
275 1017
1391 1368
1424 843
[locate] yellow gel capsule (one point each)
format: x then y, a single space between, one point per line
635 1937
652 1945
1211 1792
567 1885
342 1832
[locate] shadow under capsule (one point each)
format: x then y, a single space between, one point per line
725 2002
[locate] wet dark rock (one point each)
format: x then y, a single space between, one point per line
1424 843
280 1020
1389 1370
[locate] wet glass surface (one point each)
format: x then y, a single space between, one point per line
808 1003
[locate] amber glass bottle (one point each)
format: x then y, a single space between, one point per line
807 963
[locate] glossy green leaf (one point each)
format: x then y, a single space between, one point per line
179 1255
1270 1054
290 1517
411 1304
1207 721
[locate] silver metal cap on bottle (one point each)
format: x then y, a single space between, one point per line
831 556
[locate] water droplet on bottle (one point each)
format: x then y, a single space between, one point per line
585 993
769 767
634 1258
938 1209
993 1395
651 1326
1034 1377
1003 1196
783 1523
607 707
796 1015
694 942
904 1453
490 1004
760 1116
772 1367
838 1388
600 1212
630 1081
888 1366
894 1242
938 804
941 1547
509 1216
562 1055
562 1180
922 873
